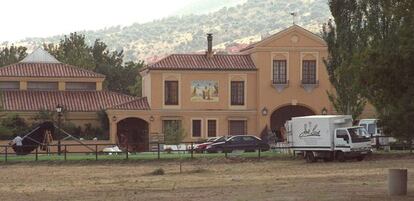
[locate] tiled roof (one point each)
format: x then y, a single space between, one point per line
46 70
202 62
138 104
74 101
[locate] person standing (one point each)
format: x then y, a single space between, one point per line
18 142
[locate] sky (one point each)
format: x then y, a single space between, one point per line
42 18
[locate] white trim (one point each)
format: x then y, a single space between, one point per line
244 78
201 129
286 55
316 55
217 127
177 77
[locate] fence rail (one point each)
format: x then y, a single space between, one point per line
155 150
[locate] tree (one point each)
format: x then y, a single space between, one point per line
174 134
388 63
120 77
345 39
12 54
73 50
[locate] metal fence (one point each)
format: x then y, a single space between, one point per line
157 151
103 151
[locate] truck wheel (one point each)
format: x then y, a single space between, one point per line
360 158
340 156
310 158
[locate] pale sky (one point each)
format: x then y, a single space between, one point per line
41 18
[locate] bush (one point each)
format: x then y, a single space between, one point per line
158 171
13 125
5 133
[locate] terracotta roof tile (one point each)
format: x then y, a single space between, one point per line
74 101
46 70
202 62
138 104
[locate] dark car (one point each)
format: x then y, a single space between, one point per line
200 148
238 142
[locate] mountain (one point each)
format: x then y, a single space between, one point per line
234 25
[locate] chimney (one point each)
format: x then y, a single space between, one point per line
209 52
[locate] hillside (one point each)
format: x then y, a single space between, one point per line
233 27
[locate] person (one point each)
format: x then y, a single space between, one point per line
18 141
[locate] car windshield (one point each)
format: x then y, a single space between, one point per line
358 134
220 139
211 139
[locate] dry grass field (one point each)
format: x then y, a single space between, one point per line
204 179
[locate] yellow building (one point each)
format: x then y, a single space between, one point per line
220 94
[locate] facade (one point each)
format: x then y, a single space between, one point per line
252 92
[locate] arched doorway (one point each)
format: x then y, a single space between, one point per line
133 132
283 114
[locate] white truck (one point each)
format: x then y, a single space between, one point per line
327 137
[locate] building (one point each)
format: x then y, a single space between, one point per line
232 94
40 82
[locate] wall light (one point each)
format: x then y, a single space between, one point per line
265 111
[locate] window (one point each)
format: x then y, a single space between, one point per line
309 72
211 128
171 93
237 127
279 72
196 128
80 86
237 92
12 85
42 86
342 134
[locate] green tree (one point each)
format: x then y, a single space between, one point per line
345 39
73 50
388 64
12 54
120 77
174 134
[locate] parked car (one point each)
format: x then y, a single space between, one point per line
200 148
238 142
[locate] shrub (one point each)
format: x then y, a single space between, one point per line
158 171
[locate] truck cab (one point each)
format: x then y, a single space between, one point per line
352 142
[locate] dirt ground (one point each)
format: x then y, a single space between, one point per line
208 179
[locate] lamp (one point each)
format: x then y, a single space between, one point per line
324 111
151 118
59 110
264 111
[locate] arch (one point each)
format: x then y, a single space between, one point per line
284 113
132 132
